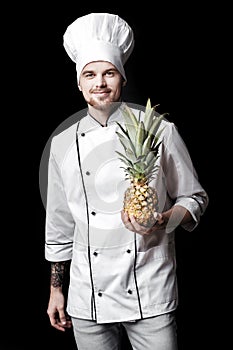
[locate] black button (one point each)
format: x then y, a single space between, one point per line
88 173
128 251
82 134
130 291
93 213
95 253
100 294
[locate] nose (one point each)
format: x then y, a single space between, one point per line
100 81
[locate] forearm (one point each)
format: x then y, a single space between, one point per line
167 220
59 274
57 301
176 216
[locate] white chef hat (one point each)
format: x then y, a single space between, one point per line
99 37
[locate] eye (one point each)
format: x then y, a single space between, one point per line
110 73
88 75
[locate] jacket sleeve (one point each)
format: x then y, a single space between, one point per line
182 182
59 227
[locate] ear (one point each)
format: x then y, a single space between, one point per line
124 83
79 87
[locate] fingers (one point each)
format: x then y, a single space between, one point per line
131 223
138 228
158 218
126 221
63 324
60 323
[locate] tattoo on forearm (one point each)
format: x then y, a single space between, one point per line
58 270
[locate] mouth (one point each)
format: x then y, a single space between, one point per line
100 92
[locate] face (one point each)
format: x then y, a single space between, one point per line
101 84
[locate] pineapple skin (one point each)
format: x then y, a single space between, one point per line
141 201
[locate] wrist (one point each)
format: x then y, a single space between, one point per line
55 289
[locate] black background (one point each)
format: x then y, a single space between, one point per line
178 63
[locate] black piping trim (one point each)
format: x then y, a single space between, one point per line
88 228
200 207
116 106
58 243
135 275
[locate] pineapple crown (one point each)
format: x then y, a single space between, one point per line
140 140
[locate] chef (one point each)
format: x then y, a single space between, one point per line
120 274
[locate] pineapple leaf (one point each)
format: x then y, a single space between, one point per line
129 171
140 134
151 157
123 130
148 104
125 162
153 135
130 154
155 125
126 137
131 115
124 141
140 158
149 168
149 173
123 157
155 106
155 145
147 144
141 140
131 122
139 167
148 117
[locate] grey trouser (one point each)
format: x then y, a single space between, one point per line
155 333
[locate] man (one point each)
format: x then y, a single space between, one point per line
121 272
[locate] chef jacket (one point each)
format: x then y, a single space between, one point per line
115 275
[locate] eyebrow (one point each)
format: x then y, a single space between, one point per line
106 70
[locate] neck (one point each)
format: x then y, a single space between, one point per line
102 114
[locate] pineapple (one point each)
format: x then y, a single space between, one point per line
140 140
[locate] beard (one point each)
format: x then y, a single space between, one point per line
100 101
103 104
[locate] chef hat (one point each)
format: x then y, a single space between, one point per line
99 37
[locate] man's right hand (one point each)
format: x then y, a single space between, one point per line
56 310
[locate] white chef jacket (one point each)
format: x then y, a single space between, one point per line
115 275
